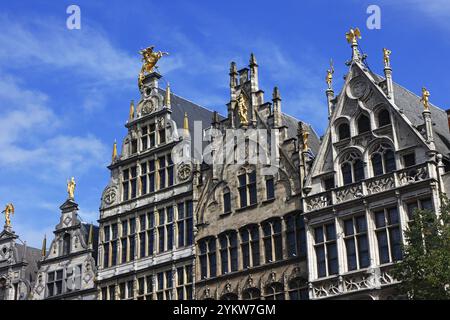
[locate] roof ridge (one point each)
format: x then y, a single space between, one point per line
187 100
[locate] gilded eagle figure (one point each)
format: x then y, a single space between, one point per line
353 35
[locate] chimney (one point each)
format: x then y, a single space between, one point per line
448 118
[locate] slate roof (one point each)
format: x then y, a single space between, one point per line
292 126
31 256
412 108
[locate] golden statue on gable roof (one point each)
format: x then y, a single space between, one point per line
71 188
387 59
330 72
425 99
9 209
242 108
150 59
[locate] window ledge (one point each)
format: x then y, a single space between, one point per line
269 200
247 207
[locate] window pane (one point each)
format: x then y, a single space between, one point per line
377 164
359 170
389 160
347 173
351 253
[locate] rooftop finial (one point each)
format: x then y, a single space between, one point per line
352 37
149 59
329 78
114 152
131 115
276 94
71 188
186 122
9 210
168 95
425 99
233 68
44 246
386 58
252 60
91 235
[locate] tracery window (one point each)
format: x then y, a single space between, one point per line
383 118
356 243
298 289
250 246
383 160
388 235
343 131
352 168
273 245
274 291
207 257
363 124
251 294
228 252
247 189
326 250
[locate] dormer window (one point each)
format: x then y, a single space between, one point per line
352 168
133 146
344 131
226 200
363 124
66 244
383 160
384 118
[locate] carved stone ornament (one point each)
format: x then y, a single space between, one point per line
110 195
184 171
357 88
148 107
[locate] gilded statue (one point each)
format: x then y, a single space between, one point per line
425 99
149 59
305 140
242 108
387 59
71 188
353 35
330 72
9 209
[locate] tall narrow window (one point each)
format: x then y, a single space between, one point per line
383 118
169 170
152 134
247 189
356 243
343 131
207 257
226 200
298 289
250 246
151 232
228 252
273 246
363 124
144 138
66 244
270 190
142 238
326 250
125 184
388 235
383 160
352 168
243 190
151 175
162 172
143 178
295 235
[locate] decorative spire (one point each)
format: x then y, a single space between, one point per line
131 116
426 113
276 101
253 60
388 73
44 246
215 119
186 122
91 235
352 37
168 95
114 152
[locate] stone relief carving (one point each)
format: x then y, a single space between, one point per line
184 171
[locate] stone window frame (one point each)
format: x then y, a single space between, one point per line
382 149
354 237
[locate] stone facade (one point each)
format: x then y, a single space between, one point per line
381 157
67 270
17 266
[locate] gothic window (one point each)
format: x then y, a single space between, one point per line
356 243
363 124
162 172
273 245
2 289
148 136
226 200
328 183
251 294
343 131
421 204
270 189
66 244
162 135
54 283
274 291
104 293
149 287
383 160
151 232
164 285
228 252
143 178
388 235
185 224
383 118
129 183
207 257
134 146
298 289
165 229
247 189
184 282
250 246
142 239
326 250
352 168
295 235
112 292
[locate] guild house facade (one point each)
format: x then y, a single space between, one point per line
249 205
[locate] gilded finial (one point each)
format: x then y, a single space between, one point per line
305 134
386 57
114 152
353 35
9 210
168 95
44 246
329 77
186 122
425 99
149 59
71 188
131 115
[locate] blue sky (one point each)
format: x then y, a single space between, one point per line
64 94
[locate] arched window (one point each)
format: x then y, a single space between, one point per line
298 289
207 257
274 291
383 118
343 131
229 296
247 189
363 124
352 168
66 244
250 246
228 252
251 294
273 245
2 289
226 200
383 160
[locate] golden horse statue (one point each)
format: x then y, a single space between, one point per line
149 59
9 209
